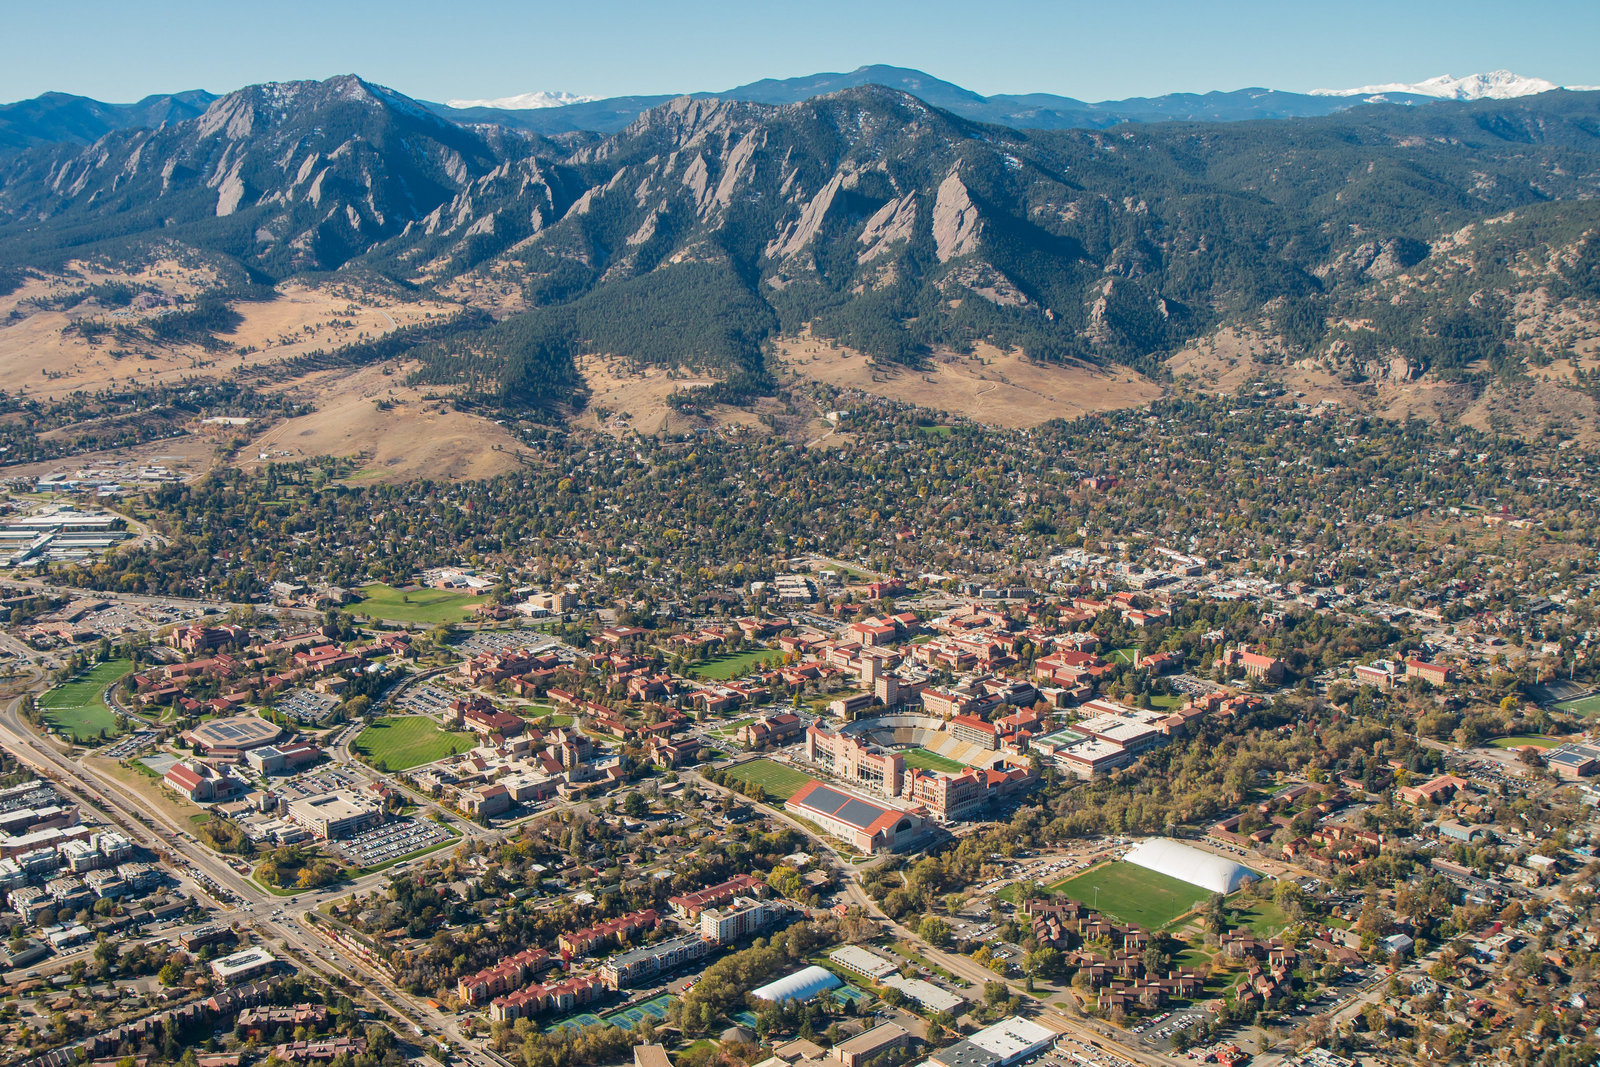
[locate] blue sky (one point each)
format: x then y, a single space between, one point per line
120 51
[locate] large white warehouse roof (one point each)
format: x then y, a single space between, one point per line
1176 860
801 985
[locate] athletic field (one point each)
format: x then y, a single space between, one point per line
424 607
76 708
1585 706
1132 894
628 1018
779 781
925 760
406 741
1524 739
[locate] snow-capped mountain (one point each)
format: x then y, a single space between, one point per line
1495 85
525 101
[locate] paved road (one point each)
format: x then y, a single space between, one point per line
274 918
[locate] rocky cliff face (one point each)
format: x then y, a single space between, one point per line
306 175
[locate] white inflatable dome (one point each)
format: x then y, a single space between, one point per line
801 985
1176 860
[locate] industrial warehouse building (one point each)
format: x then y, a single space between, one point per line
867 825
1180 861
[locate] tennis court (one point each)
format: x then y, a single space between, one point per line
628 1018
849 993
575 1022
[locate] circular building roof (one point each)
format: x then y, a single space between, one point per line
238 732
1180 861
801 985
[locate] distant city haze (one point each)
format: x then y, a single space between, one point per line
498 49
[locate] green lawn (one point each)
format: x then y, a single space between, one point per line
734 664
924 760
1585 706
1264 919
425 607
409 741
779 781
1123 656
545 715
77 708
1166 701
728 729
1133 894
1524 739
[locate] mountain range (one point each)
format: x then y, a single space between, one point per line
1042 111
1495 85
1371 239
59 117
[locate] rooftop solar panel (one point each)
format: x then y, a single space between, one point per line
825 799
859 814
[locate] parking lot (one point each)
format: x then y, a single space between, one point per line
507 641
1189 685
322 780
1164 1027
305 706
1070 1051
424 700
131 745
390 841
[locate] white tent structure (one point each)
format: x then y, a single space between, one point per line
801 985
1176 860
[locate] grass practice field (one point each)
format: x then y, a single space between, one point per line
779 781
734 664
924 760
77 709
1524 739
1585 706
1133 894
425 607
409 741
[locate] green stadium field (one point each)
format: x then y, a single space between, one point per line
1132 894
1585 706
925 760
779 781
